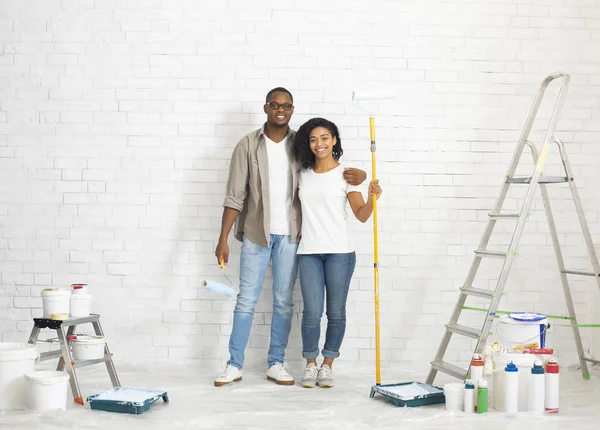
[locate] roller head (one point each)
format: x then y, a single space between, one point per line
218 288
382 94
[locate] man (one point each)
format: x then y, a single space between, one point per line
262 199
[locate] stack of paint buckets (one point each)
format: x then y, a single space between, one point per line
64 303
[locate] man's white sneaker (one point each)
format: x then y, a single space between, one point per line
325 378
229 375
278 374
309 380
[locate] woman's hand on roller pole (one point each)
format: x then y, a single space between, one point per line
375 189
222 252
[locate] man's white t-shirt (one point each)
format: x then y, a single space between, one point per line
325 211
280 178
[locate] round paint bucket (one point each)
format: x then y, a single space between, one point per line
16 359
47 390
522 329
455 397
87 347
81 305
55 301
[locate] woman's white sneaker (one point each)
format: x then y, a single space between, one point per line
309 380
325 378
279 375
229 375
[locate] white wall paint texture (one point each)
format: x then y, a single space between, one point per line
118 118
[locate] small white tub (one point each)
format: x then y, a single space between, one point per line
87 347
47 390
16 359
56 301
81 305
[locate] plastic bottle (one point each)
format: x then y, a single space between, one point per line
469 396
537 388
476 372
552 386
482 396
511 389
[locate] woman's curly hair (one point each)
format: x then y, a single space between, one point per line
302 141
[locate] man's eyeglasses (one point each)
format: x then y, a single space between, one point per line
276 106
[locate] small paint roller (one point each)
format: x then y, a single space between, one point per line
217 287
382 94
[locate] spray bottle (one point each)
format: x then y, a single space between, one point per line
469 396
552 386
482 396
511 389
476 372
537 388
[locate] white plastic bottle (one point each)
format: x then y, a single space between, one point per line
469 396
511 389
552 386
537 388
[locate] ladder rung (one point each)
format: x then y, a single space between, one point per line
479 292
517 215
495 254
84 363
463 330
449 369
542 180
591 360
577 272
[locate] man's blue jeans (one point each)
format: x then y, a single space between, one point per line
254 261
320 274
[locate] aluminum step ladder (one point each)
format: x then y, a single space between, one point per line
537 179
66 361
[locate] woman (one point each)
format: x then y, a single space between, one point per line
326 251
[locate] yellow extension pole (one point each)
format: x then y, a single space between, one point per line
376 258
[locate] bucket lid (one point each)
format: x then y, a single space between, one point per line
87 339
17 351
527 316
47 376
56 292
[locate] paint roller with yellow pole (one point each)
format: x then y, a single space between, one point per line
390 391
376 257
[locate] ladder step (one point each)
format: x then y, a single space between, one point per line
84 363
542 180
463 330
494 216
577 272
479 292
494 254
449 369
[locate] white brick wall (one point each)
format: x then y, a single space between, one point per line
118 118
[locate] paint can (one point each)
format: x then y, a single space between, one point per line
47 390
455 397
16 359
520 330
55 301
81 305
86 347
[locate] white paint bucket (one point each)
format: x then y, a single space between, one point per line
47 390
16 359
521 329
455 396
81 305
87 347
55 301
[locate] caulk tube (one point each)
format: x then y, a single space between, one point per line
552 386
511 389
537 388
476 372
215 287
469 396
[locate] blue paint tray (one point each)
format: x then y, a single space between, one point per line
126 400
410 394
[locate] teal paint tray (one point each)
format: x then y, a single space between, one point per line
410 394
126 400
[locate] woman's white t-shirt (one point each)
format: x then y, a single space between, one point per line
324 201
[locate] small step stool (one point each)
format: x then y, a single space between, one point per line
66 361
